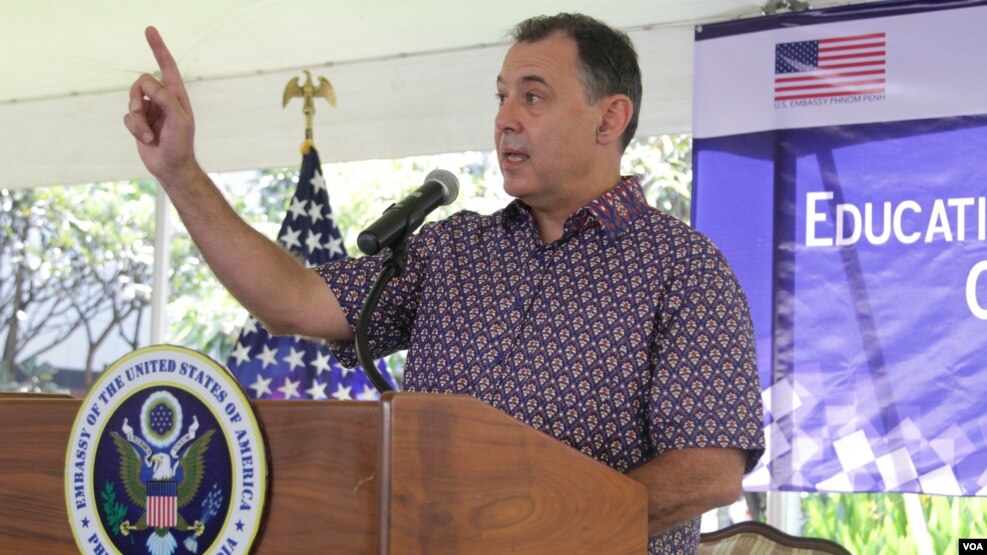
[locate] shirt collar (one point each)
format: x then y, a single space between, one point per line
613 211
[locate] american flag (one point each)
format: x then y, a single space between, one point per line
162 504
292 367
830 67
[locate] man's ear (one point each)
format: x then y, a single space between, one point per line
617 113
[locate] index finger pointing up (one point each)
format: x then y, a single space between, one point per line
170 76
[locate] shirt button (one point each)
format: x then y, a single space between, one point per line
499 359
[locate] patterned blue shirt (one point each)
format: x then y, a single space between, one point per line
627 337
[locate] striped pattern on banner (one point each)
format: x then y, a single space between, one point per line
830 67
162 504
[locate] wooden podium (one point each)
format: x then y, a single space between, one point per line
411 474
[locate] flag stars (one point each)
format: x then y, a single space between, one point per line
241 353
321 363
318 183
290 238
315 212
261 386
335 246
342 392
268 356
290 388
297 209
317 391
295 359
250 326
294 366
793 57
313 242
369 393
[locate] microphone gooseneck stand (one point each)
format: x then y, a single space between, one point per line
392 267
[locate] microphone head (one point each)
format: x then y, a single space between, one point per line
449 183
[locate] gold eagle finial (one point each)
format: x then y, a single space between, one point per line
308 91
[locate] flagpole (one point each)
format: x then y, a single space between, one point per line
290 367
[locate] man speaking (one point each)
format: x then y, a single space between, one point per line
577 309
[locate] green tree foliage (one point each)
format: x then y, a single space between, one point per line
664 165
874 523
73 260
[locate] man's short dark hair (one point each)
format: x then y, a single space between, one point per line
606 56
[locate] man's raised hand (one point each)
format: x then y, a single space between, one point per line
160 119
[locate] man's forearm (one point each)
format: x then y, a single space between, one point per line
684 483
265 278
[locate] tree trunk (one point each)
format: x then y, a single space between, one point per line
13 326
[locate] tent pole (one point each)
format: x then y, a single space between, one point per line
784 511
162 246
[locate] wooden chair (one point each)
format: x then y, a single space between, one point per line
755 538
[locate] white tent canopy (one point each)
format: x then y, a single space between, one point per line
410 77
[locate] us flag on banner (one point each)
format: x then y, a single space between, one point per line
292 367
830 67
162 504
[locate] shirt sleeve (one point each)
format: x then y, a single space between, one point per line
351 279
705 390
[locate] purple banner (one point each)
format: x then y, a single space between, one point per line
863 248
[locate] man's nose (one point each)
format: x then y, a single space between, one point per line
507 119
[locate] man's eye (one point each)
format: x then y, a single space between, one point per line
500 98
532 98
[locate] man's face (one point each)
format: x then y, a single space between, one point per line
545 131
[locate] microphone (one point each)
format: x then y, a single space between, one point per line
397 222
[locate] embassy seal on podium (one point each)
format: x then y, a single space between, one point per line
165 456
